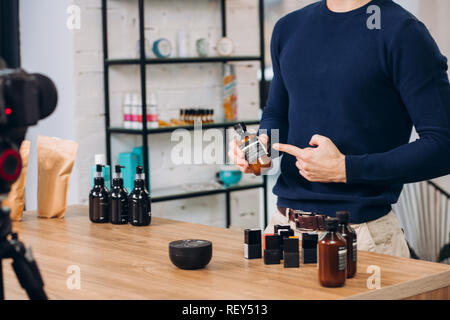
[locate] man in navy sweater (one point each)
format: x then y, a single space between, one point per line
351 79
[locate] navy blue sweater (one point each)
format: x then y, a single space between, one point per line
364 89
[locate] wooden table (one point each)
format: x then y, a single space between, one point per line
126 262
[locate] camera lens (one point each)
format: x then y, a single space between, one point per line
10 164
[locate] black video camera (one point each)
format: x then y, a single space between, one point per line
24 100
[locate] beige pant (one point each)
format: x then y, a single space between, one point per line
383 235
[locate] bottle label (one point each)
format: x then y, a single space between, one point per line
342 258
254 150
354 250
152 118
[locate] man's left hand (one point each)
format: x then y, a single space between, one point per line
325 163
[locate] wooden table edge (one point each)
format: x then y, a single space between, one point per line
409 289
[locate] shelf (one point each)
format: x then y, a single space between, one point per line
136 61
176 193
225 124
142 63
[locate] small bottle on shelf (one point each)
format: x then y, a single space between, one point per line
135 111
152 111
181 117
332 256
254 150
203 116
127 114
195 116
349 234
191 116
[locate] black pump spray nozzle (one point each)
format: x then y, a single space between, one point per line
99 171
118 172
140 173
140 177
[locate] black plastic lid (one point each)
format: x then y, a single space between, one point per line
331 224
286 233
291 244
139 170
99 168
190 254
278 227
271 242
343 216
252 236
118 168
309 240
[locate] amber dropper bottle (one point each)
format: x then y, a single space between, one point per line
332 256
349 234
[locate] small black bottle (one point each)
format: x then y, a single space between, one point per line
139 201
119 198
99 198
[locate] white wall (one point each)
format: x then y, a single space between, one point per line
47 47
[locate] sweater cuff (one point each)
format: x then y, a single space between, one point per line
354 168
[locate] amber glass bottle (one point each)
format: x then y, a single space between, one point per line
349 234
332 256
255 152
99 198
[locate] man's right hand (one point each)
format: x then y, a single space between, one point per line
237 155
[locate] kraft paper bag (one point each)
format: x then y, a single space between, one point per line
16 197
56 158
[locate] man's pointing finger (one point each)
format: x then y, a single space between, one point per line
293 150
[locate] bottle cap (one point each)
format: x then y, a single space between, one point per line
309 240
278 227
240 128
100 159
343 216
127 99
98 171
331 224
135 100
286 233
252 236
291 244
140 173
271 242
190 254
151 99
118 172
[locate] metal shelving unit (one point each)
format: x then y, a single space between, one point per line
142 62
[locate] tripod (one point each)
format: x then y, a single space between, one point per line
24 265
